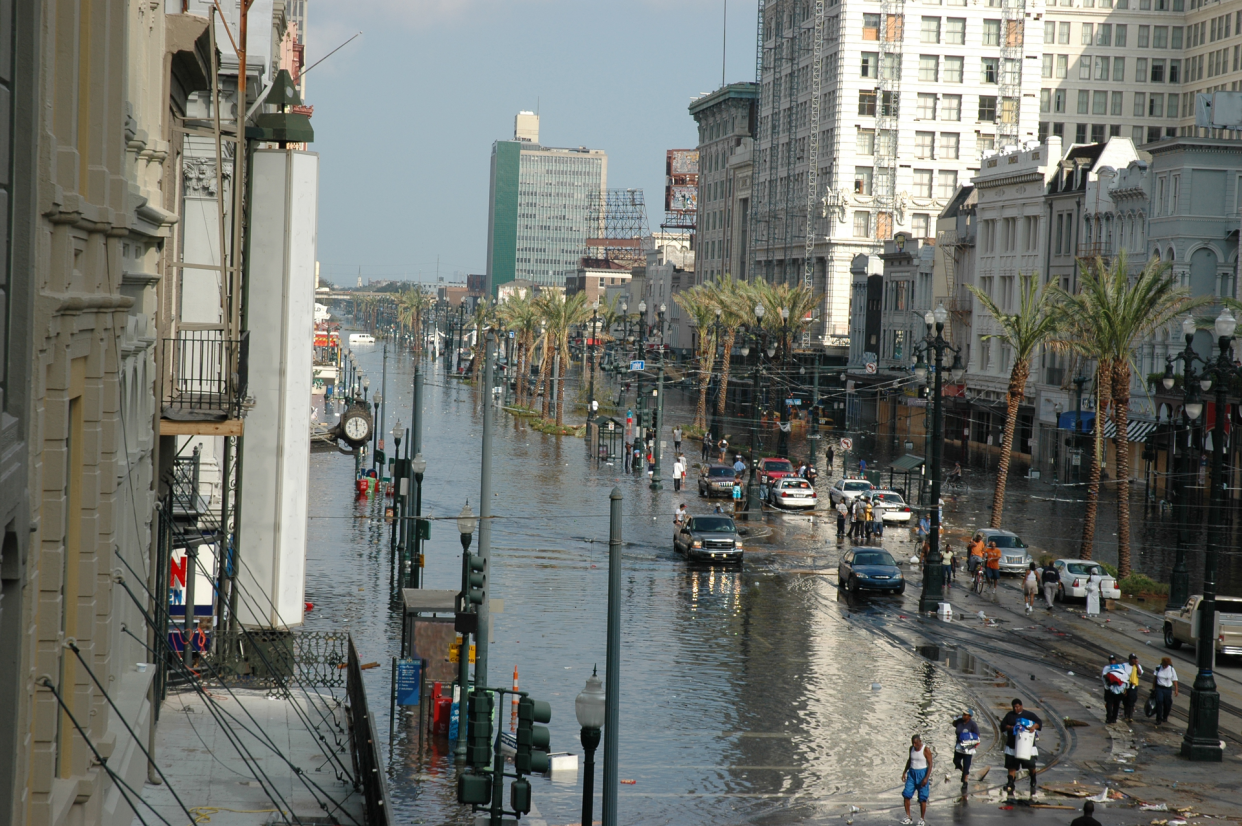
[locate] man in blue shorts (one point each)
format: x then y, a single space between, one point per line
917 777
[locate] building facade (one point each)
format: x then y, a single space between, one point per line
540 205
726 121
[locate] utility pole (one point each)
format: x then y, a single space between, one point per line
657 415
485 518
612 668
383 408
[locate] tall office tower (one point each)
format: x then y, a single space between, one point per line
908 98
538 207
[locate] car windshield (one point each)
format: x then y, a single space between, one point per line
795 483
873 558
778 465
1083 568
857 486
712 524
891 498
1002 541
720 472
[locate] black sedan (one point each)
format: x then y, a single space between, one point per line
870 568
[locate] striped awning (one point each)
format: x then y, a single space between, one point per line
1136 429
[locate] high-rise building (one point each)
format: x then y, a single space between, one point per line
538 207
726 120
909 98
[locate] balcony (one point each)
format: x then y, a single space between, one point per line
1095 250
203 384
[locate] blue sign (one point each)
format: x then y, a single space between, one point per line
453 718
637 365
794 402
512 334
409 680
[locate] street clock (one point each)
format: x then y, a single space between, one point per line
355 426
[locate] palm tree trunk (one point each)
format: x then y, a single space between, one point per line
1017 386
730 335
1121 414
521 356
545 365
705 379
560 388
1102 382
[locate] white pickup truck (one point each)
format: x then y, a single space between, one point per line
1183 626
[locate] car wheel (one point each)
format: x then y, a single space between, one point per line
1170 641
853 584
901 589
1059 596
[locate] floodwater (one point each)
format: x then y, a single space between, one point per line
751 695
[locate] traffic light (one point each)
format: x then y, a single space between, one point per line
474 788
479 735
532 740
476 579
519 796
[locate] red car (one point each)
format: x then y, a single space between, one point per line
772 469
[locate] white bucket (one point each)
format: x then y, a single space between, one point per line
1024 744
945 611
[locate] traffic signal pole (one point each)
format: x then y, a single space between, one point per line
485 516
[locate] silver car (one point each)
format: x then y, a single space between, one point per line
792 492
847 490
1014 557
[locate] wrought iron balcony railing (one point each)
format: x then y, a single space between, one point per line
204 375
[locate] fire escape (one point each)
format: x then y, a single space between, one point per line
1009 104
892 33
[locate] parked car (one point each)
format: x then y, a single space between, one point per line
1183 626
892 507
716 480
792 492
773 468
1014 557
847 490
1074 574
713 536
870 568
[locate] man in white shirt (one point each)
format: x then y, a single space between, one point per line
680 515
1115 676
678 470
677 438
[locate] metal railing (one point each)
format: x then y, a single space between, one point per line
364 745
1099 249
204 375
271 659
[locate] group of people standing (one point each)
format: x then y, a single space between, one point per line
1121 685
860 519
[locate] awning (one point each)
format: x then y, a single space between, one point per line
906 463
1137 430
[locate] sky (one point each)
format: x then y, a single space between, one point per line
405 115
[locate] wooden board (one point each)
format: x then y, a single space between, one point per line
228 427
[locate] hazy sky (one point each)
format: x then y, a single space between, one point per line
405 116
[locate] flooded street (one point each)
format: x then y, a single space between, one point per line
747 695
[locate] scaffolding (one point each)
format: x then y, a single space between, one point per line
887 116
618 219
1009 102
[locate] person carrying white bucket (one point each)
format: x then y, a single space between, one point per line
1021 729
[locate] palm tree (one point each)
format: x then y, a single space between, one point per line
520 315
562 314
733 298
1037 320
780 300
410 307
698 304
1111 315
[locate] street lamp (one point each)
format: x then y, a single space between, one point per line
1179 578
1057 409
398 526
1079 381
934 343
639 399
419 465
657 417
366 388
466 523
752 484
591 350
589 707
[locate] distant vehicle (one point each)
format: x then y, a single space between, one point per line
893 507
773 468
1014 558
792 492
847 490
716 480
361 338
870 568
709 537
1183 626
1074 575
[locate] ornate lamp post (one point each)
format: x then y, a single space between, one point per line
366 388
396 548
640 399
591 351
935 344
657 413
589 707
1057 409
466 523
1079 381
419 465
1179 579
752 485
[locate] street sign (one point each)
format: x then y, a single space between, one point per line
794 402
512 334
847 444
409 673
871 368
635 366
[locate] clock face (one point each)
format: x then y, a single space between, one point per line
356 428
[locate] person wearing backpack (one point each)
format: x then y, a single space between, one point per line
1115 676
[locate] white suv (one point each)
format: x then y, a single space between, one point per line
847 490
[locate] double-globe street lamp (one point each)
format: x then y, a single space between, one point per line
1179 578
589 708
419 465
591 356
758 336
466 523
1202 741
657 413
935 344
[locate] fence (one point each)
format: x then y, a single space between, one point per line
205 374
369 768
271 659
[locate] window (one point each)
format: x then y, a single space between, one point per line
1063 34
955 31
890 67
1140 104
1084 67
871 27
1119 36
866 102
1045 100
987 108
1175 37
1060 232
922 183
1153 134
991 32
930 31
1114 130
1104 34
946 183
1155 106
986 143
1097 133
1144 36
1080 133
870 64
951 107
1171 109
1140 70
926 107
1136 135
920 225
1088 34
1099 103
1062 65
1175 69
949 143
924 145
1101 68
865 142
889 104
1115 109
885 143
863 180
989 70
1157 71
1046 67
929 67
1119 68
1058 101
862 224
1050 31
1160 37
1084 101
953 69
